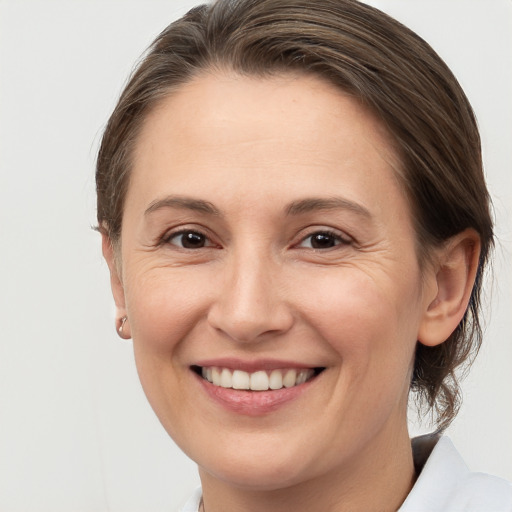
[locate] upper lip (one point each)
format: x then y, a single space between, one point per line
253 365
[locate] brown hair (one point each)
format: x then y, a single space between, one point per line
371 56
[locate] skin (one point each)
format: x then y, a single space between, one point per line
259 288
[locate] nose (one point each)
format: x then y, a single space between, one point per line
251 303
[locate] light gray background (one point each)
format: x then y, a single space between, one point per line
76 433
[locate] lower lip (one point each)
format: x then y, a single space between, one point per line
253 403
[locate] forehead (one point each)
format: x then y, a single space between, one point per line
251 137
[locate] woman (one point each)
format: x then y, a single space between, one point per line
296 223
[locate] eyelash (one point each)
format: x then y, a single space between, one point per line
169 236
333 235
336 237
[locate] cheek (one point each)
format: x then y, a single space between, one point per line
374 341
369 320
164 305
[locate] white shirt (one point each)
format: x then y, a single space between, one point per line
445 484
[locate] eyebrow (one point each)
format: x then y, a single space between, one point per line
332 203
298 207
184 203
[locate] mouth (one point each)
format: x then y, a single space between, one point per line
259 380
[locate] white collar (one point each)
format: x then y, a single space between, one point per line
446 484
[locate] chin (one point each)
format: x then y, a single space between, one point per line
256 475
262 464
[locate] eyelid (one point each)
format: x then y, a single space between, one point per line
335 233
172 233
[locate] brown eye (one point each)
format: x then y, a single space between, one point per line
322 240
189 240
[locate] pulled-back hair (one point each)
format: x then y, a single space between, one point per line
378 61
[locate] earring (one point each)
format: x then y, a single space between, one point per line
123 320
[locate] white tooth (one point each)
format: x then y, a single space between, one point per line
209 374
276 379
259 381
226 379
289 378
241 380
301 377
216 376
203 372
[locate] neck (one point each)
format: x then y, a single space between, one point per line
380 479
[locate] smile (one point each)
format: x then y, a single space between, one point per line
261 380
258 389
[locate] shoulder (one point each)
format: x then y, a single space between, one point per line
446 483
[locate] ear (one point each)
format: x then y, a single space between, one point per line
454 275
116 284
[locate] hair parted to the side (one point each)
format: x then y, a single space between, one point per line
374 58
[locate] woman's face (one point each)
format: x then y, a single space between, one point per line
265 242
